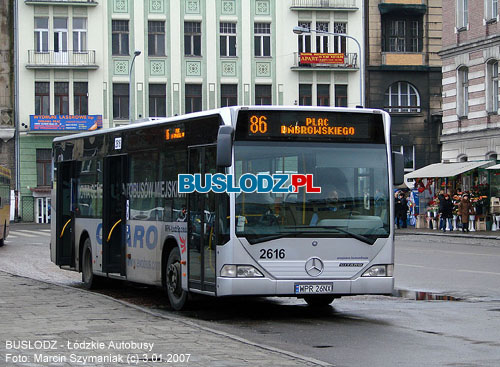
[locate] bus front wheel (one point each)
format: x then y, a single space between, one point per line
176 295
319 300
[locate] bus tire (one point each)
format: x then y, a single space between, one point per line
173 280
90 281
319 300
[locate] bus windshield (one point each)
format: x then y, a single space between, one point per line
354 198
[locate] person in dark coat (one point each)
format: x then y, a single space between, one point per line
401 209
446 211
464 210
442 222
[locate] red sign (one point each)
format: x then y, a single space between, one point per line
321 58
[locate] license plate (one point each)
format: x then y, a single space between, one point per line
313 288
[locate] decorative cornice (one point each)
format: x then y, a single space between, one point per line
470 46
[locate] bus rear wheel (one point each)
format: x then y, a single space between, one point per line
319 300
173 282
90 281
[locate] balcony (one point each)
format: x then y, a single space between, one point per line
62 2
339 5
61 60
350 64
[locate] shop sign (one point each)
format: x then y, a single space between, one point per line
65 122
321 58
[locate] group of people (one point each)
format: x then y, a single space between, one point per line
446 208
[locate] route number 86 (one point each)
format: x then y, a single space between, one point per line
258 124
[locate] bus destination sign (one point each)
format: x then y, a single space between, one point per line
174 133
302 125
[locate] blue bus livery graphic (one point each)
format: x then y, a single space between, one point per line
248 183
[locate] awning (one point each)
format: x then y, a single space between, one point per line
445 169
496 166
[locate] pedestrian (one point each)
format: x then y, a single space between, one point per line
401 209
464 210
440 198
446 212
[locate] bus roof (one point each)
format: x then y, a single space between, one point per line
226 112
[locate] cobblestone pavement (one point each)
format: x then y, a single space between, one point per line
44 324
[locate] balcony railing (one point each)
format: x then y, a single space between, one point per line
350 63
61 2
324 4
61 59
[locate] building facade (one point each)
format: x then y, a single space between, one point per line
471 40
81 57
403 74
7 131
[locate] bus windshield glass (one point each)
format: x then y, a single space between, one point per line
354 198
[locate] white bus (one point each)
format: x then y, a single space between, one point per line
118 212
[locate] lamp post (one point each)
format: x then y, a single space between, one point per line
300 30
130 99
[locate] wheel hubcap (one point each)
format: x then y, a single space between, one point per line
173 278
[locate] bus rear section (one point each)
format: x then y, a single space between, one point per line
5 177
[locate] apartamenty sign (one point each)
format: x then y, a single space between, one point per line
65 122
321 58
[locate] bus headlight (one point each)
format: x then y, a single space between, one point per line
240 271
379 271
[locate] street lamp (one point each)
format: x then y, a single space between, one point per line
130 99
300 30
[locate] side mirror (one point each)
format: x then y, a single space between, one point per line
224 146
398 168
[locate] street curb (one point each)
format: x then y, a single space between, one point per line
448 234
184 321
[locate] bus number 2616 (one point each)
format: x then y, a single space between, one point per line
272 254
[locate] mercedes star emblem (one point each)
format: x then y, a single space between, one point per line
314 266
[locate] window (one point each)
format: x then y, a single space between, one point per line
119 37
322 39
42 34
402 97
492 156
408 152
193 98
43 167
120 101
323 94
262 39
462 158
305 38
305 95
156 38
80 98
402 34
228 39
491 9
463 92
228 95
339 42
61 35
340 95
263 95
61 98
42 98
192 39
157 100
492 91
462 13
79 34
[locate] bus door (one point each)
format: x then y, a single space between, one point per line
114 214
201 223
65 217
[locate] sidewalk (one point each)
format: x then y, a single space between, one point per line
489 235
42 324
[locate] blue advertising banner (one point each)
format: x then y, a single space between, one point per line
66 122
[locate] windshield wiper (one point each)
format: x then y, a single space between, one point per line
359 237
272 237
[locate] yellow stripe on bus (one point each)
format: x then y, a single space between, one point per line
112 228
62 232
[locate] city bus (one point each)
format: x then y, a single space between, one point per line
4 203
119 211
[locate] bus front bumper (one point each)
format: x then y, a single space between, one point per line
271 287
